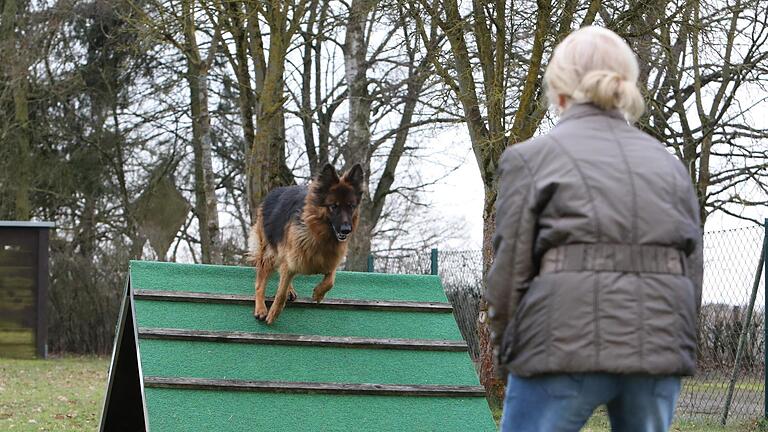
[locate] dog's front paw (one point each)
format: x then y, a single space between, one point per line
272 316
318 296
260 313
292 295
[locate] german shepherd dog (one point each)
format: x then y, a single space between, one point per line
303 230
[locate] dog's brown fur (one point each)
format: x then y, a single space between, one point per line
309 244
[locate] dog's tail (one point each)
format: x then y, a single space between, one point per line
254 245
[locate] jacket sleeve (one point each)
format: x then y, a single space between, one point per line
513 240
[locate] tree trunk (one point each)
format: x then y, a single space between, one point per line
487 150
355 69
358 145
16 75
306 88
266 168
494 387
246 99
267 155
23 143
85 239
205 188
360 242
487 132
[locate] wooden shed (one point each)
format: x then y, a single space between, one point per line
23 288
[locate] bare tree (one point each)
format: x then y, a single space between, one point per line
197 77
492 65
266 166
178 25
384 84
705 65
697 58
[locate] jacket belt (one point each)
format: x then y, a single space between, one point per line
606 257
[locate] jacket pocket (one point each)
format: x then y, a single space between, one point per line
508 342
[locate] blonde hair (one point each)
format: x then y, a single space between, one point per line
595 65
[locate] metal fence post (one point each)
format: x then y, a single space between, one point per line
433 259
370 263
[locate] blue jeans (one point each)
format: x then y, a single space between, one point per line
564 402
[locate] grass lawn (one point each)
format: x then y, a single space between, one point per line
63 394
599 423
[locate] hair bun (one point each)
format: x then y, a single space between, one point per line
610 90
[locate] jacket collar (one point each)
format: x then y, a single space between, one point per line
576 111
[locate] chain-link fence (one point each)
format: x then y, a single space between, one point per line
731 269
462 275
731 260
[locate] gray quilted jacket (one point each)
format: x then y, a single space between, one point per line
598 253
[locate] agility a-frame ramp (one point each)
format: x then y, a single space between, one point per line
381 353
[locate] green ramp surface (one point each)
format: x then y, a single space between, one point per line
382 352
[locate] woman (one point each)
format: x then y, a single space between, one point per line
596 284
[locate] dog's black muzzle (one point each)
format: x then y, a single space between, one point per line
343 232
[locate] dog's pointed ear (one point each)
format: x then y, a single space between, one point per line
327 177
356 178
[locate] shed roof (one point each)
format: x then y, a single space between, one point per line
26 224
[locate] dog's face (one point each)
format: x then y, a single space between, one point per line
340 197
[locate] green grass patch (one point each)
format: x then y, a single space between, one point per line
599 423
63 394
721 386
